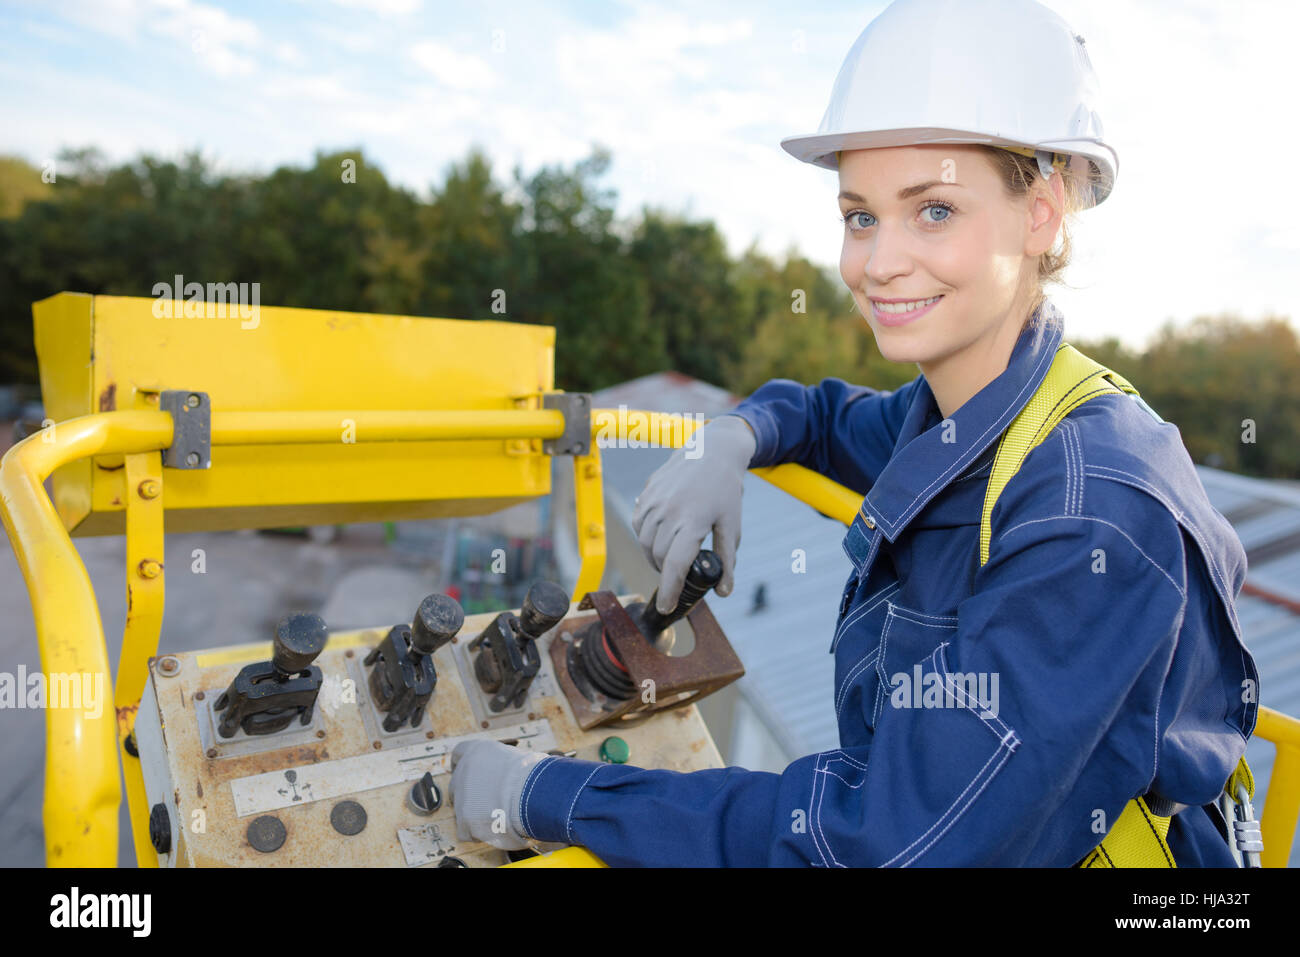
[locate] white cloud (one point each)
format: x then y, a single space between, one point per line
451 67
204 35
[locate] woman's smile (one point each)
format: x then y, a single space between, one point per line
899 312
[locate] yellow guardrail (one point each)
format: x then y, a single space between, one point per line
81 783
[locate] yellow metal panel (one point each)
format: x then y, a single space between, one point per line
295 361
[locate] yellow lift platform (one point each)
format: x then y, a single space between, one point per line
312 417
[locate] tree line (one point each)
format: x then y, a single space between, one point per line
627 297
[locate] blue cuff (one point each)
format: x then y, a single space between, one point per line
550 792
766 432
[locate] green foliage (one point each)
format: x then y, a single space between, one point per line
626 298
20 183
1231 386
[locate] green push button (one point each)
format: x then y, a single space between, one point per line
614 751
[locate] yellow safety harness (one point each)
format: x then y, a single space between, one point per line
1138 838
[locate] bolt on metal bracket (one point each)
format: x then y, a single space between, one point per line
576 407
191 413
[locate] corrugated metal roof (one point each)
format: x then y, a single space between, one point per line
789 672
1266 516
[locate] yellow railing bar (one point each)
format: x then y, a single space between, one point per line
564 857
1282 804
81 783
321 426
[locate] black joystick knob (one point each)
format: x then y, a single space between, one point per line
299 638
704 573
507 659
402 675
267 696
436 622
544 607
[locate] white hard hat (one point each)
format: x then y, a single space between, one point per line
1006 73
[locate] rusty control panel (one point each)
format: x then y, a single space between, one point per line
335 750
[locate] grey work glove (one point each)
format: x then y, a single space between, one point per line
686 498
487 779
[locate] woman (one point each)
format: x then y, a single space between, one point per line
1000 702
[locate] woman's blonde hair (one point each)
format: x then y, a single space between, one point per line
1018 173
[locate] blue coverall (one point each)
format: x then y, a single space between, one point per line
1103 629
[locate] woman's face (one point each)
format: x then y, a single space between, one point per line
934 221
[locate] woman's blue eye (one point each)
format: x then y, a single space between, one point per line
941 208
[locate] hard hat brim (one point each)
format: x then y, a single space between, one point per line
819 149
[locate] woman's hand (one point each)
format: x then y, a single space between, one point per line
688 497
487 778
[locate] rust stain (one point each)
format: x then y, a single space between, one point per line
126 716
116 500
198 786
280 760
108 398
697 745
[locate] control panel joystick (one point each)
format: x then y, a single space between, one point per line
507 659
595 665
266 696
402 675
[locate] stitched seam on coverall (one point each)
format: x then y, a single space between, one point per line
527 791
883 646
868 605
1092 518
1073 467
867 661
1006 753
1155 493
1002 746
820 770
942 663
568 820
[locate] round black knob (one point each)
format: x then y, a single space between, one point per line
424 797
299 638
160 829
544 606
436 622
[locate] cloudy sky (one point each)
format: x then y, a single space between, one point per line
692 98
